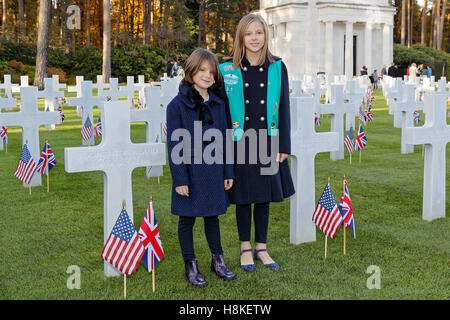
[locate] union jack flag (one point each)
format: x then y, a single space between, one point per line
62 100
346 210
98 127
140 105
326 216
149 236
4 134
47 156
86 130
416 117
26 167
361 139
349 140
369 116
123 249
316 119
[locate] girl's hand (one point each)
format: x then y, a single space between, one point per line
182 190
281 157
228 183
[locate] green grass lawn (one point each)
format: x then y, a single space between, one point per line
45 233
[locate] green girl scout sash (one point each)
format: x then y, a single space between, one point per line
234 88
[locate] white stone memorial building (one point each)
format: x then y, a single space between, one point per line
332 36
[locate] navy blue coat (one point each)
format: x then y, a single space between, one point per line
249 185
207 195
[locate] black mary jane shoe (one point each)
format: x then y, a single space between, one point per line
193 275
220 269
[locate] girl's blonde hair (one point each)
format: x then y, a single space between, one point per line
195 60
238 51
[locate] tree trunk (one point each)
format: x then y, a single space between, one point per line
106 68
165 32
88 22
403 23
441 26
118 23
5 8
423 34
23 27
146 13
409 41
42 43
201 23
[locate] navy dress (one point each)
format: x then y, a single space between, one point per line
249 186
207 196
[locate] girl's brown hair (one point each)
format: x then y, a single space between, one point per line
195 60
238 51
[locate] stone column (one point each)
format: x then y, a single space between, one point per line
349 49
387 43
329 50
368 45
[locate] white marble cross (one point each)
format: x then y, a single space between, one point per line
316 90
30 119
442 86
87 102
8 86
306 143
49 93
152 116
112 93
128 90
169 89
117 157
24 82
56 84
354 95
142 85
77 88
403 95
406 107
434 134
100 85
7 104
337 108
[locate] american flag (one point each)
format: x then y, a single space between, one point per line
165 129
4 134
349 140
316 119
62 100
61 113
98 127
149 236
86 130
361 139
346 210
47 155
416 117
123 249
26 167
362 116
326 216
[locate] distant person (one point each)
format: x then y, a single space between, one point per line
175 69
444 68
375 79
169 67
412 73
392 71
363 71
384 71
429 71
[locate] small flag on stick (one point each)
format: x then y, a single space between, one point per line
86 130
149 236
26 167
326 216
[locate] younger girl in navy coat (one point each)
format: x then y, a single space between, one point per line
199 188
